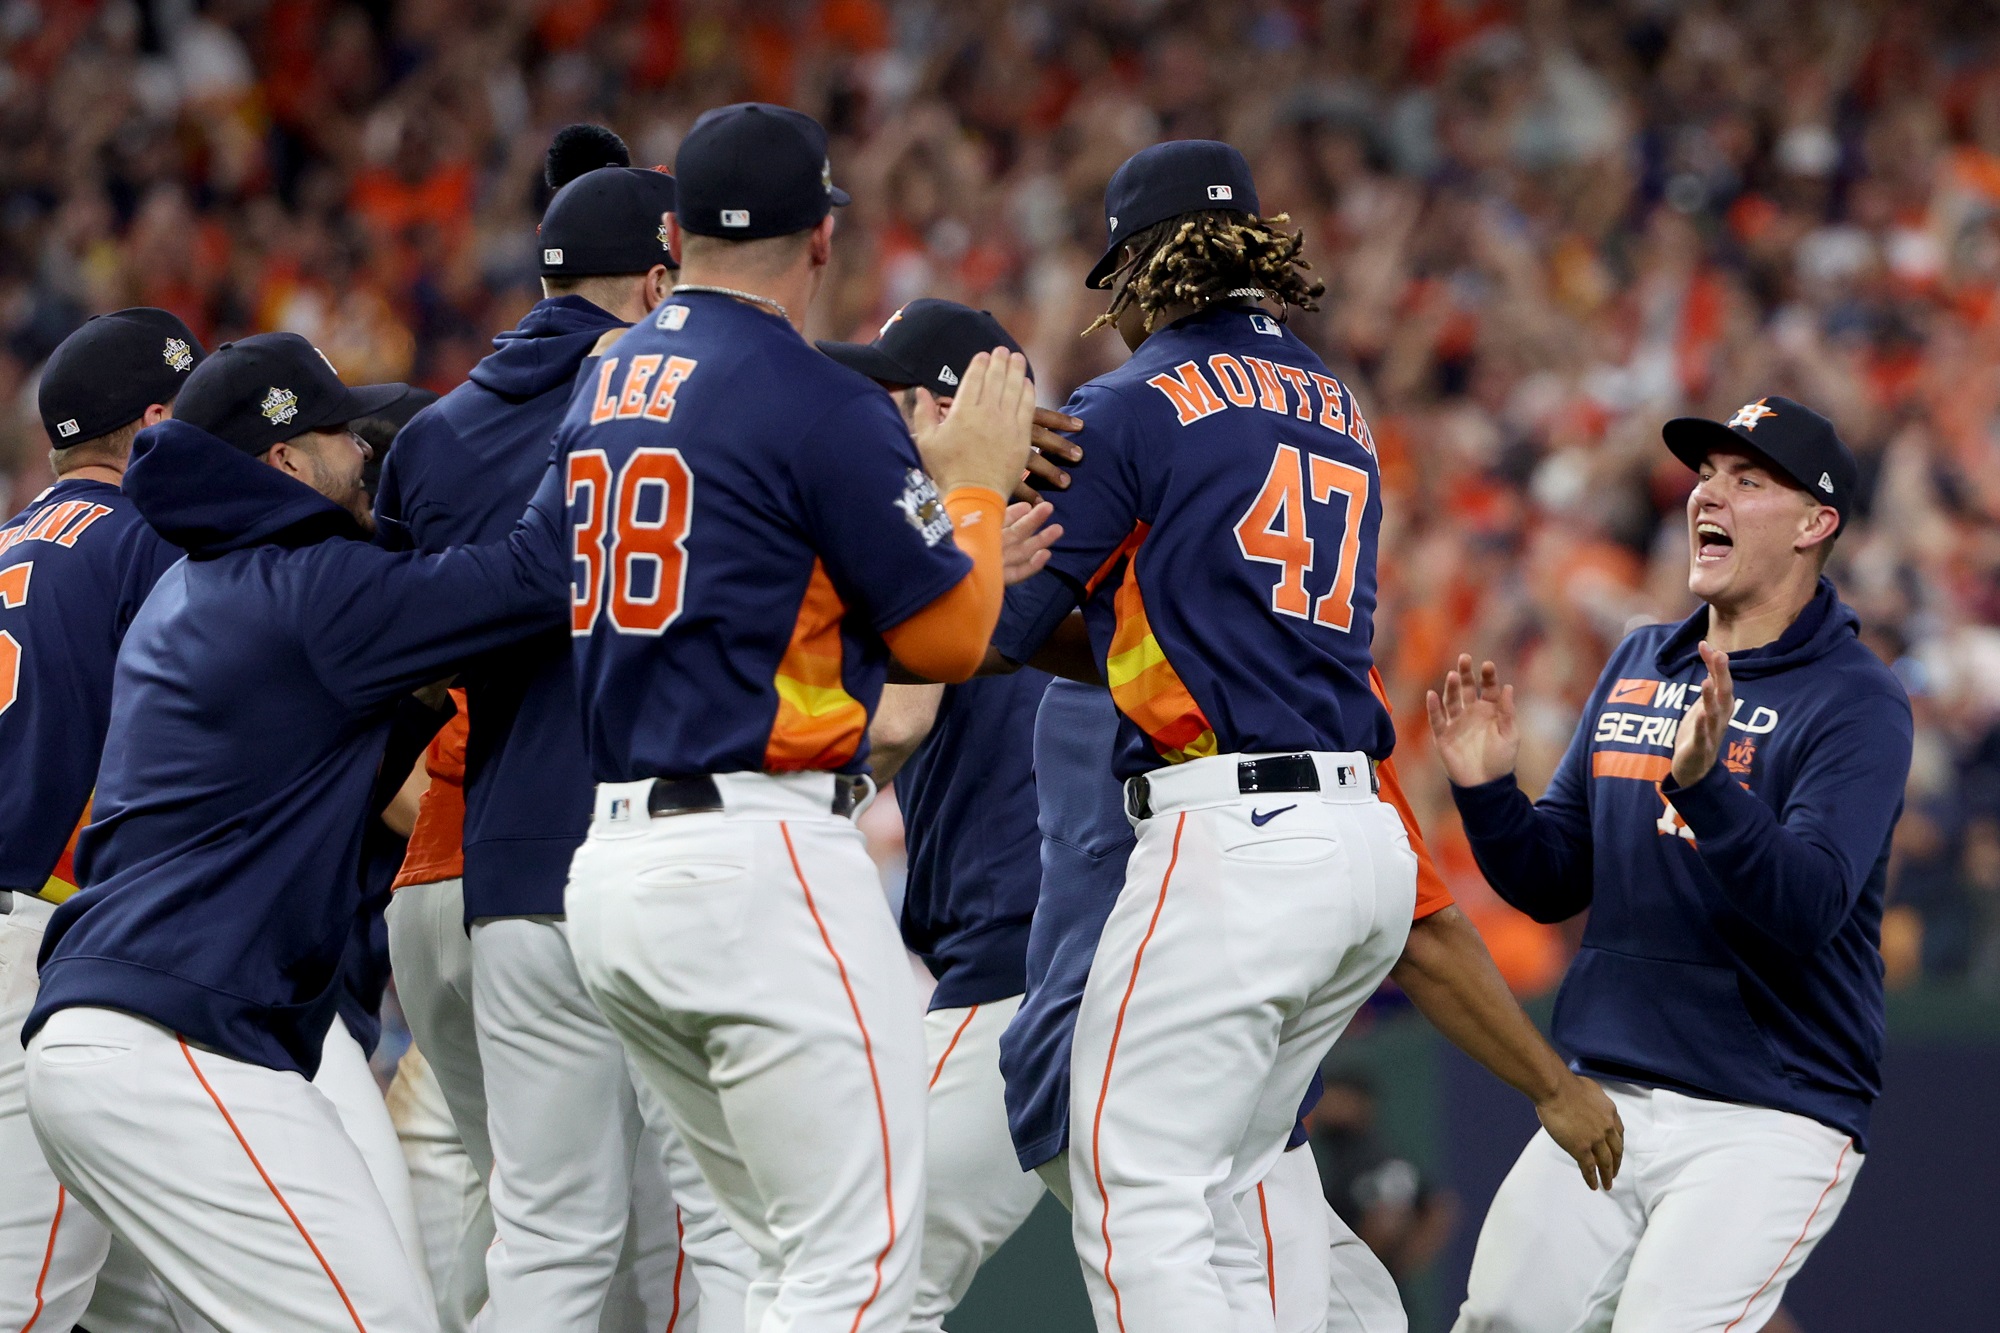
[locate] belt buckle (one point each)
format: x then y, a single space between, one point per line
1139 797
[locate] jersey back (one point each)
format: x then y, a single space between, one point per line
75 566
1220 533
747 517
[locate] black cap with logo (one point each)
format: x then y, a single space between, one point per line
927 344
1800 442
752 170
257 392
1165 181
606 218
107 373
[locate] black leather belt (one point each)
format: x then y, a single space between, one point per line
1275 774
700 795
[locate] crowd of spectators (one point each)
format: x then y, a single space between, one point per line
1545 226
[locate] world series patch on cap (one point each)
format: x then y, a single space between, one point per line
257 392
926 344
107 373
1798 441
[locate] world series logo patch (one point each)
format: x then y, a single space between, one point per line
920 504
279 406
178 355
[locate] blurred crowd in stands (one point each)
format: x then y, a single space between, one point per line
1545 226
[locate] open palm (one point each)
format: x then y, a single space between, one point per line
1473 723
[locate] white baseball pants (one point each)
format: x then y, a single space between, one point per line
447 1192
975 1193
1716 1207
568 1142
238 1184
432 958
348 1082
1249 931
1320 1276
58 1264
748 960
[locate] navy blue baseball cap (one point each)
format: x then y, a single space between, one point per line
752 170
927 344
257 392
1165 181
611 220
1798 441
107 373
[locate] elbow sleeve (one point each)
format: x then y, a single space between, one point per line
946 640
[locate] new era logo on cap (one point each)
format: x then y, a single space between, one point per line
735 217
552 255
1826 483
1221 192
945 373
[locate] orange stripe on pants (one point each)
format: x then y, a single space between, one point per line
1111 1055
272 1185
868 1049
48 1257
952 1045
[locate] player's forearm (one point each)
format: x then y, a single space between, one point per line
1531 858
1449 976
946 641
902 721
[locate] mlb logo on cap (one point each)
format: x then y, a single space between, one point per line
735 217
552 255
68 428
1221 192
1167 181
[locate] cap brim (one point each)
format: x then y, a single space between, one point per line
1693 439
871 361
1105 267
840 197
367 400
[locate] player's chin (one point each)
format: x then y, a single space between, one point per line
1709 578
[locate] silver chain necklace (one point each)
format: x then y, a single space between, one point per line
1255 293
765 301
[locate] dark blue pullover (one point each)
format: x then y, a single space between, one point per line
462 471
1734 944
250 705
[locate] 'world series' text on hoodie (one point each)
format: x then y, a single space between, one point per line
249 710
462 471
1734 943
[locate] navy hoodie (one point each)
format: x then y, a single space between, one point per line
1734 944
250 705
462 471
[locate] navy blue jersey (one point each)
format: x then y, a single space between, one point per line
74 568
1733 949
462 471
1220 535
747 517
250 712
968 800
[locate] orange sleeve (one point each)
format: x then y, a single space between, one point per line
437 842
1433 895
946 641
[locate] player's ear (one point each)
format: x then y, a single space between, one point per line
820 247
659 282
673 225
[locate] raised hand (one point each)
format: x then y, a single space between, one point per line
1699 740
1025 542
1584 1124
984 439
1473 723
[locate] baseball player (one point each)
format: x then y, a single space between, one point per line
544 1064
75 566
754 535
1220 540
1724 811
187 990
961 759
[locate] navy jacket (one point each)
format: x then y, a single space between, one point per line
968 800
1734 944
462 471
251 701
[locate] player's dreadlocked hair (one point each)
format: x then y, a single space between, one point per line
1202 259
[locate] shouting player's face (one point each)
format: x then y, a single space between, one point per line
1750 531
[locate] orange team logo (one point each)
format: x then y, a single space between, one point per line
1632 692
1742 755
1748 415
